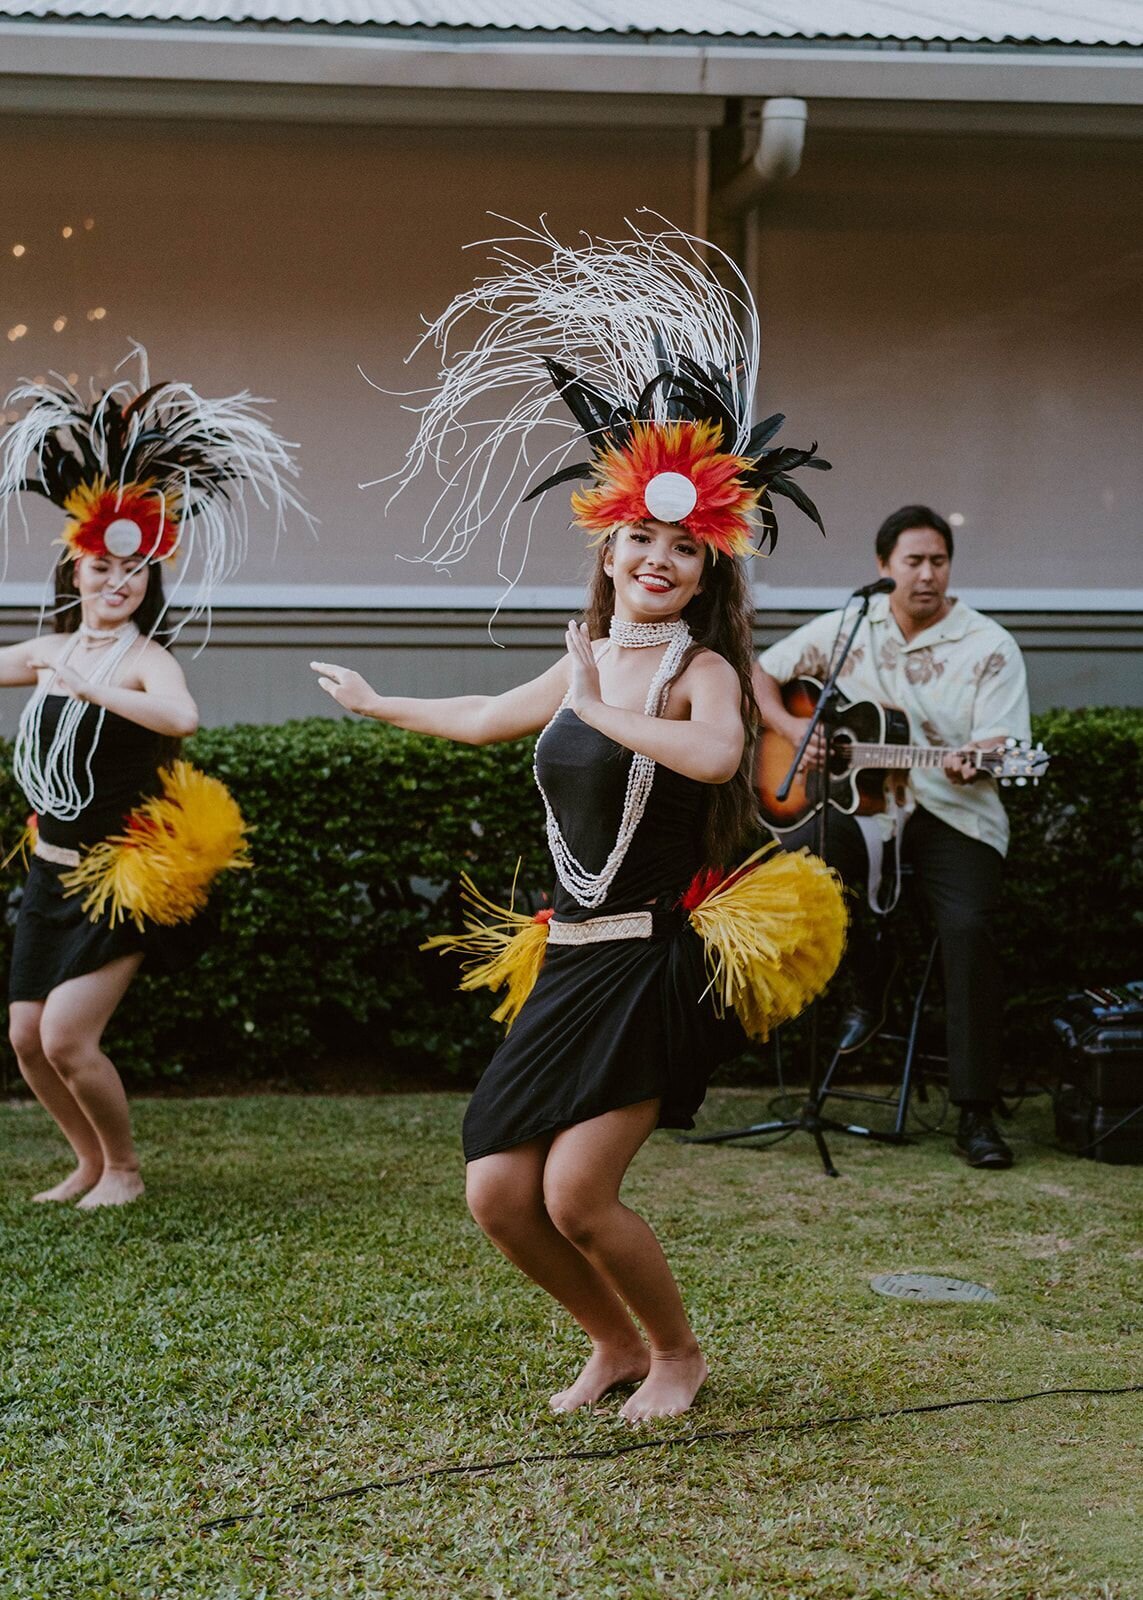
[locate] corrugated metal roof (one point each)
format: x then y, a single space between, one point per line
1094 23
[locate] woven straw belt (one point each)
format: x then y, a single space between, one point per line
627 925
56 853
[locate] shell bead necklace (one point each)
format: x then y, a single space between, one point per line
49 777
641 635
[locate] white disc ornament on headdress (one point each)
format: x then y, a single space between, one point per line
669 497
123 537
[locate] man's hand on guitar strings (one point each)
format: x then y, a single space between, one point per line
960 768
960 765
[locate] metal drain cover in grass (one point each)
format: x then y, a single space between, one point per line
928 1286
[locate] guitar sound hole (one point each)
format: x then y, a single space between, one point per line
839 762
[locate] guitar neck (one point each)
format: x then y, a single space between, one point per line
902 755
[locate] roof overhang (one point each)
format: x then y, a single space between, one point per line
116 68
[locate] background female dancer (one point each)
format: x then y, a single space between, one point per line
69 973
126 840
643 766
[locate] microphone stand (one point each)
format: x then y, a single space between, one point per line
809 1118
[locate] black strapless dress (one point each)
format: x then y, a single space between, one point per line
55 939
608 1025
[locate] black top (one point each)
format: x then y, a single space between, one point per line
124 770
584 775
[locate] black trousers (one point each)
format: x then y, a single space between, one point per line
960 879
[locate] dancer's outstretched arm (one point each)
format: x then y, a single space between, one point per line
17 663
469 718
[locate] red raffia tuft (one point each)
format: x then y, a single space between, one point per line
721 516
92 507
545 915
141 830
705 881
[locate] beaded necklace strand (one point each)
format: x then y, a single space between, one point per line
589 889
49 777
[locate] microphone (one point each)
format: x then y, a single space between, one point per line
882 586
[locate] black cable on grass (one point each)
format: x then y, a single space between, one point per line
1082 1150
423 1474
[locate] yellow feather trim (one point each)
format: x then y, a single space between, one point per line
774 932
174 846
25 844
501 946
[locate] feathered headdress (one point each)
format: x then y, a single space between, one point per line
151 471
655 359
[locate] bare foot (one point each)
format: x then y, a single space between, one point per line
117 1187
607 1367
674 1379
76 1183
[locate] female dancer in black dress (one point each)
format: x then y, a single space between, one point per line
69 973
643 764
126 840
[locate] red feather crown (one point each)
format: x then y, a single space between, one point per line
683 468
131 519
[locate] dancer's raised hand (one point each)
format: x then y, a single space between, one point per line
584 685
347 687
64 679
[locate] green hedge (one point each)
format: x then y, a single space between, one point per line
1073 901
360 833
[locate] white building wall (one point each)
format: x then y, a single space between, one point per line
955 319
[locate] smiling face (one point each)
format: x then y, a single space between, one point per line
110 588
657 570
919 565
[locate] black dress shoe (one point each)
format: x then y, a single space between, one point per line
979 1142
858 1026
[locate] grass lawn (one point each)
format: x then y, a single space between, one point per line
300 1306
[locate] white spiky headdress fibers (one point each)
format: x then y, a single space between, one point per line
655 358
150 473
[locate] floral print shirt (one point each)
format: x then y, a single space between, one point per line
960 680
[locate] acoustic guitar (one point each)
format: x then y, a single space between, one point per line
869 743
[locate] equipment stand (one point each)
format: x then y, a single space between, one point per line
810 1119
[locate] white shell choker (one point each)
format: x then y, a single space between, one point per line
102 636
642 635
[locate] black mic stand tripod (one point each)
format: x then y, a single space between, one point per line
809 1118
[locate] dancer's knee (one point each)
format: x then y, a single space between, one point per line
24 1037
493 1198
577 1208
68 1051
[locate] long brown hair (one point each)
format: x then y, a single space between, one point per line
720 619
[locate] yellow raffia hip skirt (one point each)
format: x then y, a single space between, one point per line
172 848
143 890
643 1005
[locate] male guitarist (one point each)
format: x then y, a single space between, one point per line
960 679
